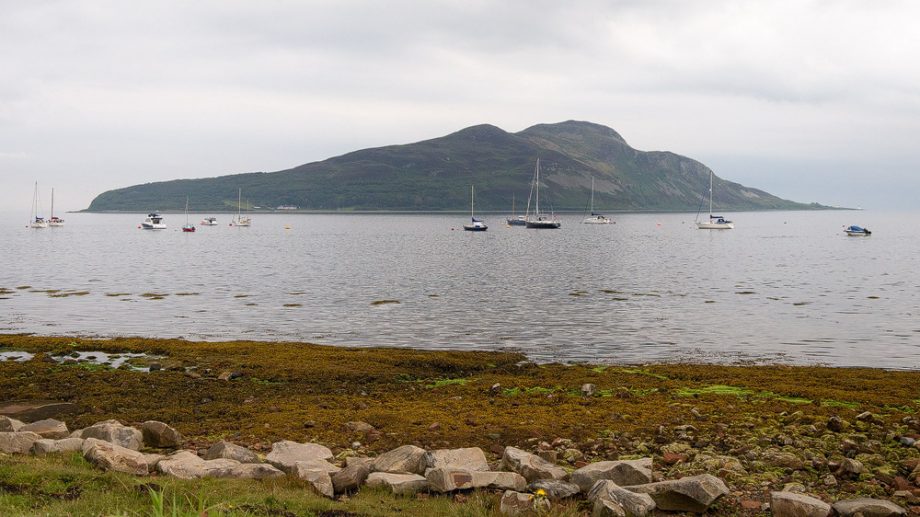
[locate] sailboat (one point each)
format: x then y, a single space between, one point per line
240 220
716 222
54 221
538 220
188 226
515 220
35 220
595 218
476 225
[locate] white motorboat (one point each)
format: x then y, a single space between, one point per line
154 221
857 231
208 221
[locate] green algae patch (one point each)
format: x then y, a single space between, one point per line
440 383
640 371
187 294
718 389
839 404
117 295
384 302
64 294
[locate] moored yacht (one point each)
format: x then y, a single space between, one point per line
208 221
154 221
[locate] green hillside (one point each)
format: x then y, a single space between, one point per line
436 174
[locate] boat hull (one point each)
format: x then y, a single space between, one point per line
596 220
715 226
473 228
543 225
153 226
38 225
516 222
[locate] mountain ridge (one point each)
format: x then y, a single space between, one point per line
435 174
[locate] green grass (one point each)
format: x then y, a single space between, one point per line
721 389
839 403
640 371
440 383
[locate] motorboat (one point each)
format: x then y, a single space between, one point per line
208 221
154 221
857 231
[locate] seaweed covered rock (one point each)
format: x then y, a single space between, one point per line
531 466
689 494
623 473
160 435
109 456
791 504
285 454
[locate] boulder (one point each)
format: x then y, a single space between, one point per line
792 504
555 489
623 473
230 451
850 468
359 427
153 459
471 458
316 476
109 456
323 465
285 454
784 459
531 466
517 503
159 435
607 508
451 479
188 465
48 446
399 484
866 507
17 442
351 477
48 428
114 432
9 425
245 471
406 459
631 503
689 494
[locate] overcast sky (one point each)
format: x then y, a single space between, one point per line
809 100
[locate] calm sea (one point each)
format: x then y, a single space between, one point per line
782 287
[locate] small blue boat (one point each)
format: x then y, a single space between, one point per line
857 231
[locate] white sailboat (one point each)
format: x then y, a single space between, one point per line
538 220
594 218
54 221
716 222
476 225
240 220
36 220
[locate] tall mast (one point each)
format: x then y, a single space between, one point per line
471 202
710 194
186 209
538 188
239 204
52 202
513 211
592 195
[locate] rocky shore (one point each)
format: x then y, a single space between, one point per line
533 439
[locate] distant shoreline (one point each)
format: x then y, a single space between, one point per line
461 212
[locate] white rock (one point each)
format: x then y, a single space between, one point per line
160 435
114 432
17 442
471 458
623 473
48 428
689 494
531 466
48 446
793 504
188 465
285 454
231 451
406 459
9 425
515 503
316 476
399 484
109 456
866 507
633 504
451 479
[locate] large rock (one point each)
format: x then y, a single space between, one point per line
471 458
689 494
531 466
9 425
318 474
17 442
451 479
631 503
791 504
160 435
784 459
48 446
351 477
608 508
555 489
245 471
114 432
623 473
399 484
515 503
866 507
109 456
231 451
188 465
406 459
285 454
48 428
